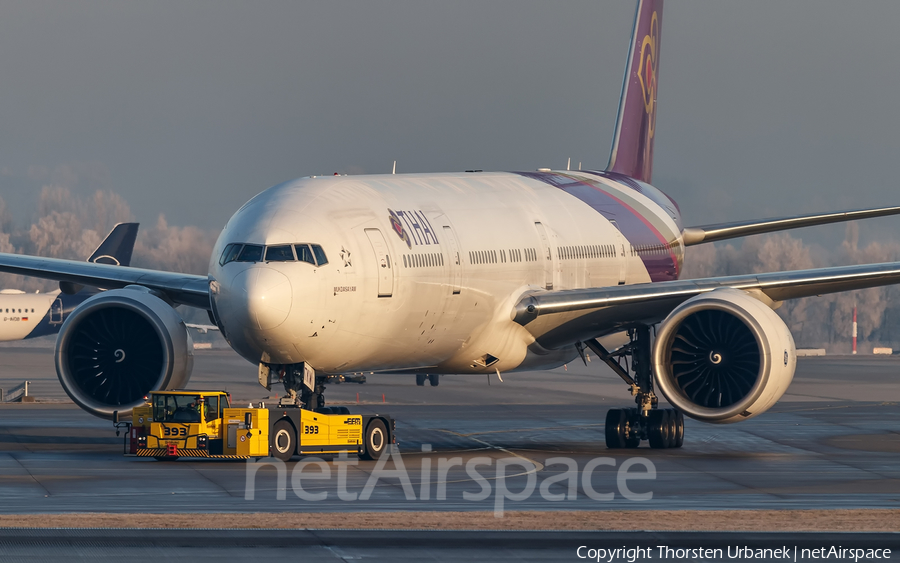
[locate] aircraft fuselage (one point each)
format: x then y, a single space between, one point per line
423 270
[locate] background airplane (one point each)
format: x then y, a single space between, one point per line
29 315
472 273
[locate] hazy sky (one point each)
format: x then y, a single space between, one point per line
191 107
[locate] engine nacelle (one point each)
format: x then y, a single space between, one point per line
723 357
118 346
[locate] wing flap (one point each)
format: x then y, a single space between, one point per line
182 289
556 318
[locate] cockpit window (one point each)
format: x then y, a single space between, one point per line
250 253
230 253
283 253
320 255
238 252
304 254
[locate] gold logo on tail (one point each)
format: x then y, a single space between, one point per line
647 70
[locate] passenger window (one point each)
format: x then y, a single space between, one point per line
250 253
304 254
282 253
320 255
230 254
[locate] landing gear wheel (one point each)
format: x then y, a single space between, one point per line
615 429
679 429
660 430
434 379
420 379
633 439
375 441
671 425
284 439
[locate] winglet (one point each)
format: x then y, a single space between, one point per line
118 245
632 148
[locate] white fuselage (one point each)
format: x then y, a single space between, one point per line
21 312
424 271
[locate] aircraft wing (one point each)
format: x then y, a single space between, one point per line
556 318
724 231
183 289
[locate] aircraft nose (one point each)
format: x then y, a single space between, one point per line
267 295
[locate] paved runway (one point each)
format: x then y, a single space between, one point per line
832 442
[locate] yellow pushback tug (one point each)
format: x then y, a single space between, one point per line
202 424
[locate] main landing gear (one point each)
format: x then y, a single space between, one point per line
625 428
433 379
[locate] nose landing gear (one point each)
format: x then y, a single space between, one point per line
626 428
303 387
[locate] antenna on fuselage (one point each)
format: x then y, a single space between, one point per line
569 164
394 169
579 166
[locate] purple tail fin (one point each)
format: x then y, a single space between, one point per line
632 149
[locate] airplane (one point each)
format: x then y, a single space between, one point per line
29 315
466 273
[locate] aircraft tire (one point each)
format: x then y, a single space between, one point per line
434 379
671 427
679 429
659 430
420 379
615 429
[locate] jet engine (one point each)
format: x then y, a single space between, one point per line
723 357
118 346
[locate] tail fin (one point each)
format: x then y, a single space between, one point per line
118 245
632 149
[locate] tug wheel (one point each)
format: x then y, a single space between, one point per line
375 440
284 439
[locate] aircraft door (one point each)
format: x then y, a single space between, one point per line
547 255
454 258
383 262
622 248
56 311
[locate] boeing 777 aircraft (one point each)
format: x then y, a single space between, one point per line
29 315
465 273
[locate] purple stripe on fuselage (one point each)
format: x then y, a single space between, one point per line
660 198
662 264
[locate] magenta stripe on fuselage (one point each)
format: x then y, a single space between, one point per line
635 227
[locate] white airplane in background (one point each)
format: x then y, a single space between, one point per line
465 273
29 315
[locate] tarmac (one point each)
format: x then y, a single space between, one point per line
532 442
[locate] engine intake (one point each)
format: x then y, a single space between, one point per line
723 356
118 346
